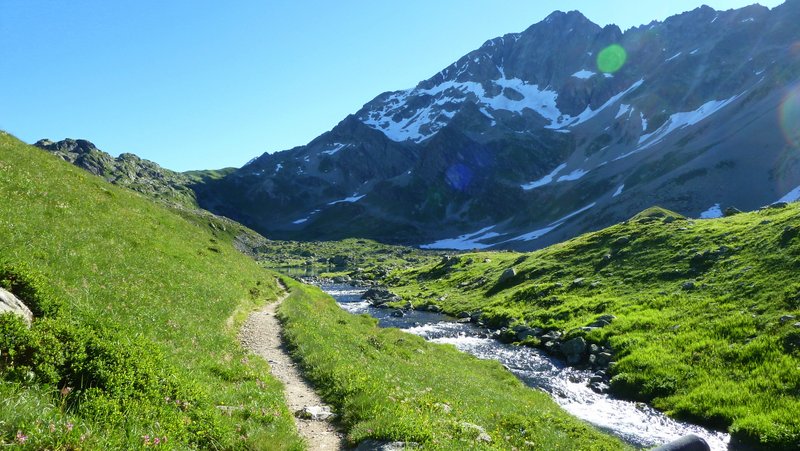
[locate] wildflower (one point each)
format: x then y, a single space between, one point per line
146 439
156 441
52 427
21 438
69 426
66 391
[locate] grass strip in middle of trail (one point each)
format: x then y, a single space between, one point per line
390 385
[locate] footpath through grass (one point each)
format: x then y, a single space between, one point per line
142 351
389 385
707 312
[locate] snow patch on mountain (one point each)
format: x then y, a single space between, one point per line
466 241
584 74
791 196
351 199
398 124
336 147
673 57
678 121
278 167
552 226
713 212
683 119
574 175
618 191
624 108
589 113
544 180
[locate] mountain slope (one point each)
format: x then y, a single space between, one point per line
541 135
145 344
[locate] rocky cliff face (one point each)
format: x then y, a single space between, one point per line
127 170
538 136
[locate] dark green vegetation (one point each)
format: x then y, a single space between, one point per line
391 385
361 258
707 312
137 312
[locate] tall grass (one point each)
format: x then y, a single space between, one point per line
389 385
138 273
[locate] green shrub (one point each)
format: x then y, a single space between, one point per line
31 289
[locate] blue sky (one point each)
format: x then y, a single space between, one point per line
199 84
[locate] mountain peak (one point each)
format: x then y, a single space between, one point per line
77 146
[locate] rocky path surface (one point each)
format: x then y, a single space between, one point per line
261 334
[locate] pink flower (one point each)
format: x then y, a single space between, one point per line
21 438
69 426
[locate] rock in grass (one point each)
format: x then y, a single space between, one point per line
314 413
478 431
11 303
507 274
731 211
786 318
377 445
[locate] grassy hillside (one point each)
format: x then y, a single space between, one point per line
144 346
707 312
390 385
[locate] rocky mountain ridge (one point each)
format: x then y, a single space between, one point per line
539 136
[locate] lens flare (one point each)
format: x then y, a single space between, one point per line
611 58
790 117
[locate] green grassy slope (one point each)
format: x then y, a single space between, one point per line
706 311
390 385
152 301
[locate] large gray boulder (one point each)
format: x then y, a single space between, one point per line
574 350
10 303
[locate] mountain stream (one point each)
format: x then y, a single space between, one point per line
635 423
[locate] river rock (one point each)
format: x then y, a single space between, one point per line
11 303
573 350
786 318
603 359
314 413
528 332
434 308
551 347
380 296
551 335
